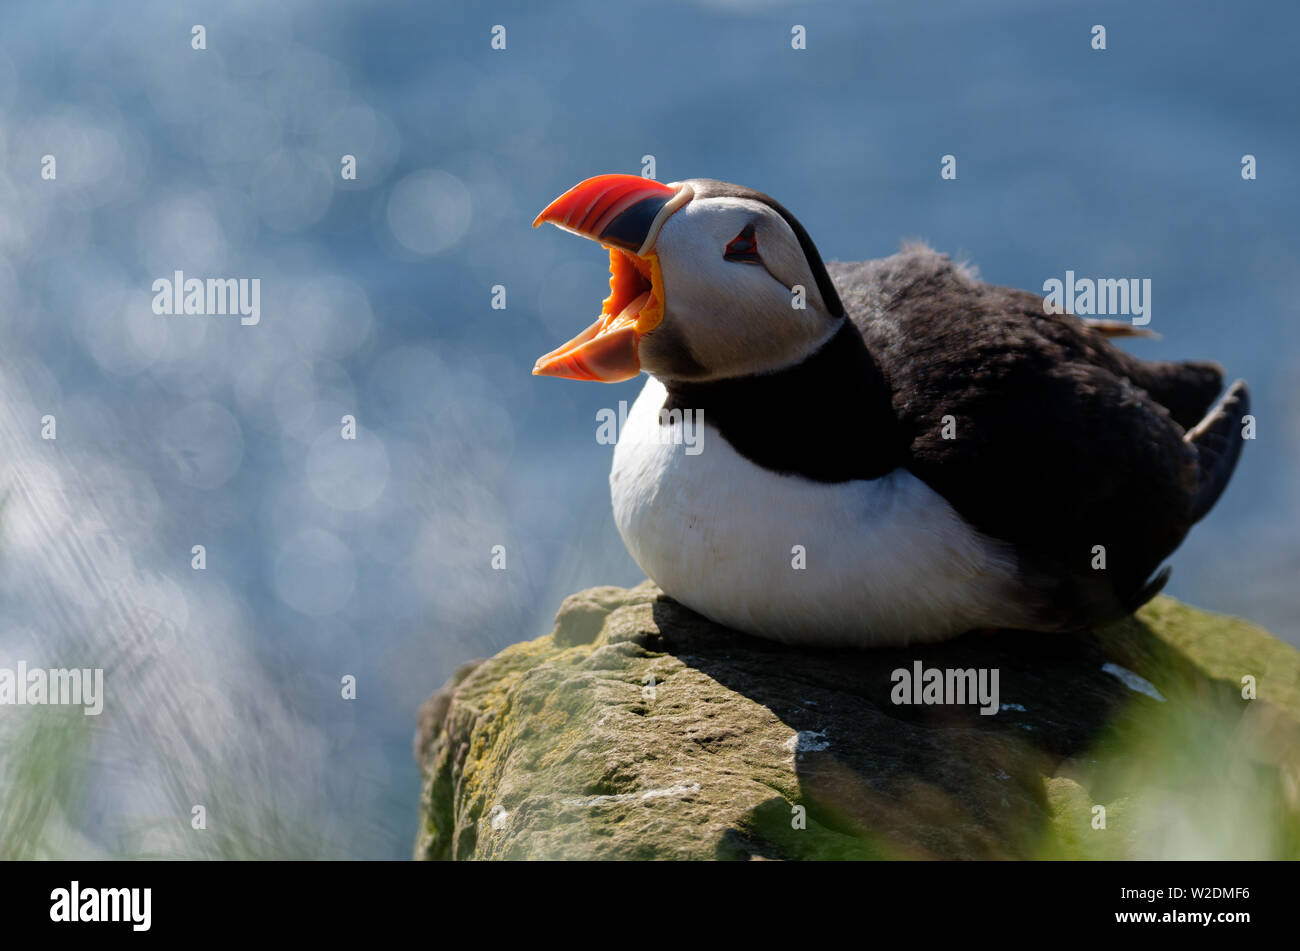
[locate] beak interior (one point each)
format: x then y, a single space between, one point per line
634 280
607 350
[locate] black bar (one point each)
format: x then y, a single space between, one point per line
305 900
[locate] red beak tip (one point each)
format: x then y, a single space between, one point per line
589 206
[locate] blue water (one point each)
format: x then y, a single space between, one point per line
372 558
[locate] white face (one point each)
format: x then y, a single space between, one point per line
726 318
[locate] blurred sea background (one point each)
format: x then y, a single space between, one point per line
372 558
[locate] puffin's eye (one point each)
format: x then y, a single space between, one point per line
743 247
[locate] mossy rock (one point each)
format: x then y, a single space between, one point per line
637 729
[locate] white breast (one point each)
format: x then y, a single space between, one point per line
886 561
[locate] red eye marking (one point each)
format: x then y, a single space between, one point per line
743 247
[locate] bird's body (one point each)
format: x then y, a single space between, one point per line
835 526
785 555
923 455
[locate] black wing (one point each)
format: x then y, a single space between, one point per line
1057 441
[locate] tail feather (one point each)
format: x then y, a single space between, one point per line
1186 388
1148 590
1217 440
1117 328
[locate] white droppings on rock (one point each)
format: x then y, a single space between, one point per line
681 789
807 741
1132 681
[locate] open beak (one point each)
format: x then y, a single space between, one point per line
624 213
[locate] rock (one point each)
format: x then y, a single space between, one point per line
639 730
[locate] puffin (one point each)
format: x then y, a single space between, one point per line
894 451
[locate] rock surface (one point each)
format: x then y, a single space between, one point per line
639 730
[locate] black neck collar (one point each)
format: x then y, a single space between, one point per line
829 418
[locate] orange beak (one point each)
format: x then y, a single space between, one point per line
624 213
